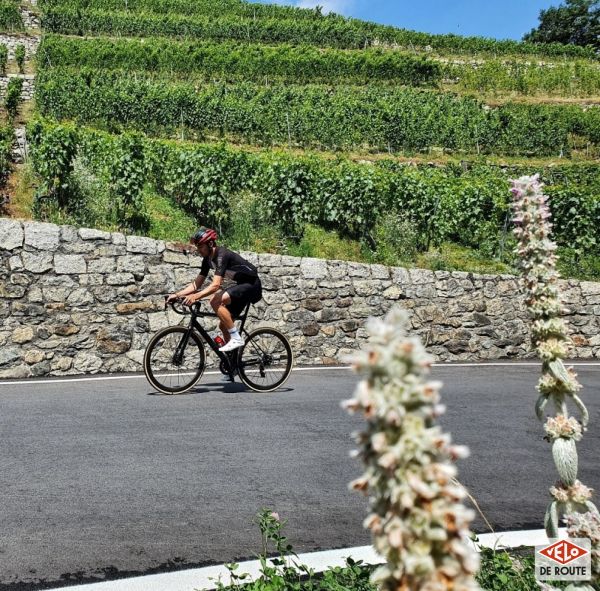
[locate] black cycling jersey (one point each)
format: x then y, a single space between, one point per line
230 265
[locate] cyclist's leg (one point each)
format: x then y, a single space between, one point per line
219 302
239 297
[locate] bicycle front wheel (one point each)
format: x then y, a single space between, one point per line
172 365
265 361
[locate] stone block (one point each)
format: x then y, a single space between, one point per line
85 362
103 265
93 234
313 268
394 292
175 258
140 244
15 263
37 262
22 334
380 272
33 356
69 264
10 290
42 236
11 234
131 264
9 355
120 279
68 234
131 307
113 339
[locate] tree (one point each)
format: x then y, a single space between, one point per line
576 22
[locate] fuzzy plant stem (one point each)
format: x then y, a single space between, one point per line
570 499
417 517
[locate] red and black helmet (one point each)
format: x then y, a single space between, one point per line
204 235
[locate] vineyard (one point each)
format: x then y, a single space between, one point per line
281 126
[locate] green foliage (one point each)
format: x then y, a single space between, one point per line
10 17
13 96
3 58
584 266
502 572
341 118
249 228
53 150
575 21
396 240
447 204
330 31
238 61
200 180
6 139
20 57
288 196
319 243
571 78
128 176
576 216
198 7
283 571
166 221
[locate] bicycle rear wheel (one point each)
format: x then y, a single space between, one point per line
265 361
171 367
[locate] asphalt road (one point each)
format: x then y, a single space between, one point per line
103 479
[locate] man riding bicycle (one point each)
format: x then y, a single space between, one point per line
227 301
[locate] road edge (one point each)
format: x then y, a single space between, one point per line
205 578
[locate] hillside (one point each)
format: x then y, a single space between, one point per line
296 132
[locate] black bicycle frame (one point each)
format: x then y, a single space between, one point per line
230 362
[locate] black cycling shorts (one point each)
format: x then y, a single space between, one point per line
241 294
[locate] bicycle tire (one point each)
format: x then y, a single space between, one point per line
155 374
254 362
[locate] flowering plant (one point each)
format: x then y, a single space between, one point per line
417 518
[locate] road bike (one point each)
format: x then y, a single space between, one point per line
175 357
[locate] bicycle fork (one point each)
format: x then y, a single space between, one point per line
180 350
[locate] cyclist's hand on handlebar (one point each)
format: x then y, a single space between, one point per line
171 297
191 299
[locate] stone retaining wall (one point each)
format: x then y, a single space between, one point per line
76 301
30 42
30 19
28 91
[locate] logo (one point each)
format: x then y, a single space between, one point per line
564 560
564 552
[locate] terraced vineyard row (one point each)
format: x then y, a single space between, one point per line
308 64
372 118
470 207
70 19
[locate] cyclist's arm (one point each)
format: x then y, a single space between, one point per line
212 288
193 287
223 261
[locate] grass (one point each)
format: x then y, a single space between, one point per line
166 220
21 188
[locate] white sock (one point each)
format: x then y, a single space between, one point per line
234 334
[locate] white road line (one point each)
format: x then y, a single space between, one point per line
205 578
448 365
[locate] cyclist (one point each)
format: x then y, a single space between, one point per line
228 299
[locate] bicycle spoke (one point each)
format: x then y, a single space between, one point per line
266 360
169 368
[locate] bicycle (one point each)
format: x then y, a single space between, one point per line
177 353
